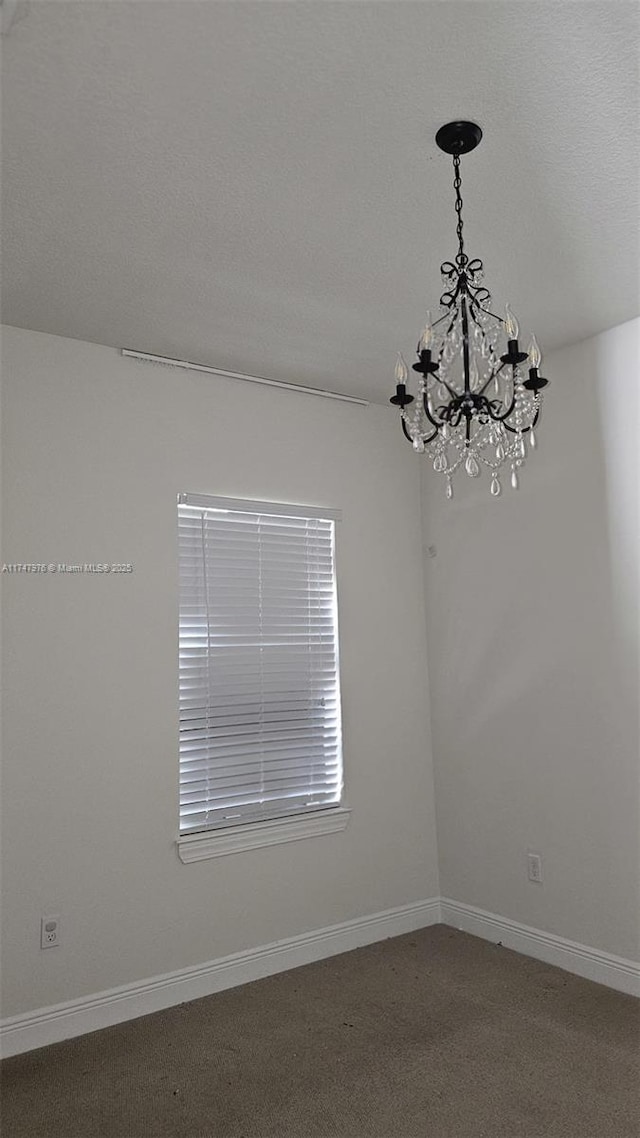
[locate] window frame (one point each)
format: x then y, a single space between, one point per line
215 841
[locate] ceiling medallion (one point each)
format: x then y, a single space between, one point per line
475 408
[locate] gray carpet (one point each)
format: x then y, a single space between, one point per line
432 1035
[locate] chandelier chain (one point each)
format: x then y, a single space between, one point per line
457 183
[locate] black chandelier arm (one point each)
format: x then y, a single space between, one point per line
440 319
524 430
405 431
451 323
427 412
453 418
467 405
452 391
481 390
479 295
478 306
408 436
502 418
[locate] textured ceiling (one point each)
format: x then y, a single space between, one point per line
255 185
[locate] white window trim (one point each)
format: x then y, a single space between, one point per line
251 505
255 835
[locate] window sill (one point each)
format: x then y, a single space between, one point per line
255 835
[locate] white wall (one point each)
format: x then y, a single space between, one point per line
533 662
532 656
96 448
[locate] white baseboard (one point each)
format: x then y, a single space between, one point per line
90 1013
591 963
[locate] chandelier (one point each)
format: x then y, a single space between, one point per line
476 407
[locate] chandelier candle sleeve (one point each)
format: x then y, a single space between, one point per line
474 409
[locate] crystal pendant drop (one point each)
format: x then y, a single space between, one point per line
514 478
471 466
449 490
520 447
440 463
500 452
418 444
533 442
496 488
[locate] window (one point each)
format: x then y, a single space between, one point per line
260 734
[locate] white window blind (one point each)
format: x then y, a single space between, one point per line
259 686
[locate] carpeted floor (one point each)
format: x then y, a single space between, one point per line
432 1035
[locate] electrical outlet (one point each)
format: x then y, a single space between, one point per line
49 932
534 868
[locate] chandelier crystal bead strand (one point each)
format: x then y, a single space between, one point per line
476 406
